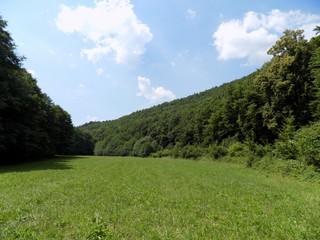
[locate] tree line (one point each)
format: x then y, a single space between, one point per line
259 109
31 125
278 105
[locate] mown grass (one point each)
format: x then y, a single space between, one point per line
133 198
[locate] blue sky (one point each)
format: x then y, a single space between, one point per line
101 60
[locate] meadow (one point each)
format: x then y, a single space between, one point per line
150 198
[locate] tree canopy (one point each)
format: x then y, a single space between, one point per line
31 125
256 108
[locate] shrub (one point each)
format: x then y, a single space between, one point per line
217 151
286 150
251 160
238 150
260 150
193 152
307 141
99 148
144 147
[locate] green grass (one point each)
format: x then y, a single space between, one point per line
132 198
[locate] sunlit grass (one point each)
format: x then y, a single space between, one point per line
132 198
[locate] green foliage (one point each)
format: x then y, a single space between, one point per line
62 131
192 152
308 144
285 147
238 150
285 82
288 168
259 113
314 67
30 124
144 147
83 143
99 148
217 151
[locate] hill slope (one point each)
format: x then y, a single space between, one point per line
184 121
256 108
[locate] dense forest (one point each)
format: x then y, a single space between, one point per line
31 125
277 107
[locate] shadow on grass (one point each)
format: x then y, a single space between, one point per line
53 163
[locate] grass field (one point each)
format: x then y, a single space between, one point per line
132 198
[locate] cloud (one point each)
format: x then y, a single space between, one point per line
252 36
191 14
91 119
113 28
154 95
99 71
80 91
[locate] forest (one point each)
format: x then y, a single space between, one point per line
273 111
31 125
276 109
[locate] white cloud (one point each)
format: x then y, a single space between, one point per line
191 14
112 26
99 71
91 119
252 36
154 95
80 91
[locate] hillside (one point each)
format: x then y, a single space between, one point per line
263 108
180 121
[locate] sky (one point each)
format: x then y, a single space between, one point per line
100 60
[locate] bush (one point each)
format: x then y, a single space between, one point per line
192 152
251 160
286 150
238 150
99 148
307 141
144 147
217 151
260 150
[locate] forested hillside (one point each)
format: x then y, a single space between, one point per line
31 125
265 108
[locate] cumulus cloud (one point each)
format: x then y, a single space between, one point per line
154 95
112 27
191 14
252 36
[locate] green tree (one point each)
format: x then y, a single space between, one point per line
30 124
62 131
285 145
285 82
314 67
144 147
307 141
83 143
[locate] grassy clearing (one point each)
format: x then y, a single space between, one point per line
132 198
